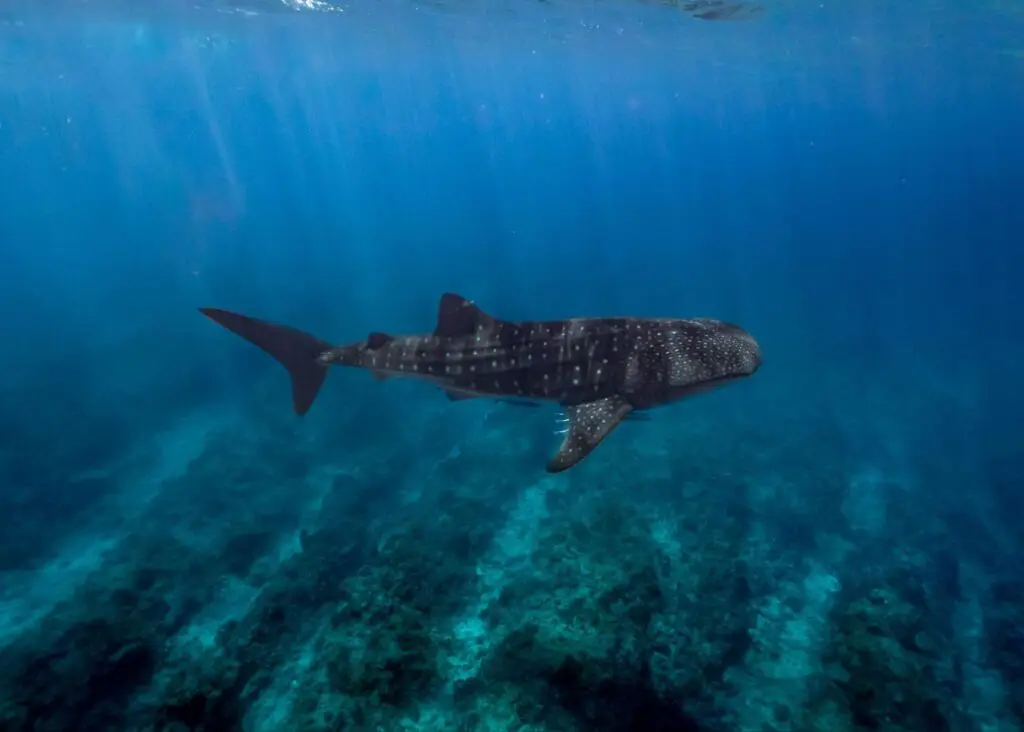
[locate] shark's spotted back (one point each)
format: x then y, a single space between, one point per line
599 369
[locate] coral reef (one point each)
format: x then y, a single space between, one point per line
263 587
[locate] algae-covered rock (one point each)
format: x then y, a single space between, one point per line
889 658
575 635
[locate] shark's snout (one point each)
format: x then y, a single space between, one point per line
753 356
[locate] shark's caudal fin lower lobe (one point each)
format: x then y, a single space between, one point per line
293 349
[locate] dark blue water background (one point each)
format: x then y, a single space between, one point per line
843 181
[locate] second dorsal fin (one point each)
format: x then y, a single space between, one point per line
457 316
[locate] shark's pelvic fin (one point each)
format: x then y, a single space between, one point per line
457 316
459 396
513 402
297 351
589 423
454 395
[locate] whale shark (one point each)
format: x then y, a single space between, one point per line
599 370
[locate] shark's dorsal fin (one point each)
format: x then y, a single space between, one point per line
589 423
457 316
378 340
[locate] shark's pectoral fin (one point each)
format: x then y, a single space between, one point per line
589 423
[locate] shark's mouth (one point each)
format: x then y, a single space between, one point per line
706 386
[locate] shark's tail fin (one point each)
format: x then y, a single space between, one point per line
296 351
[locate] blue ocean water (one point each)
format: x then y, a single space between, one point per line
832 544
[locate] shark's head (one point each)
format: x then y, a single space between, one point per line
706 353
